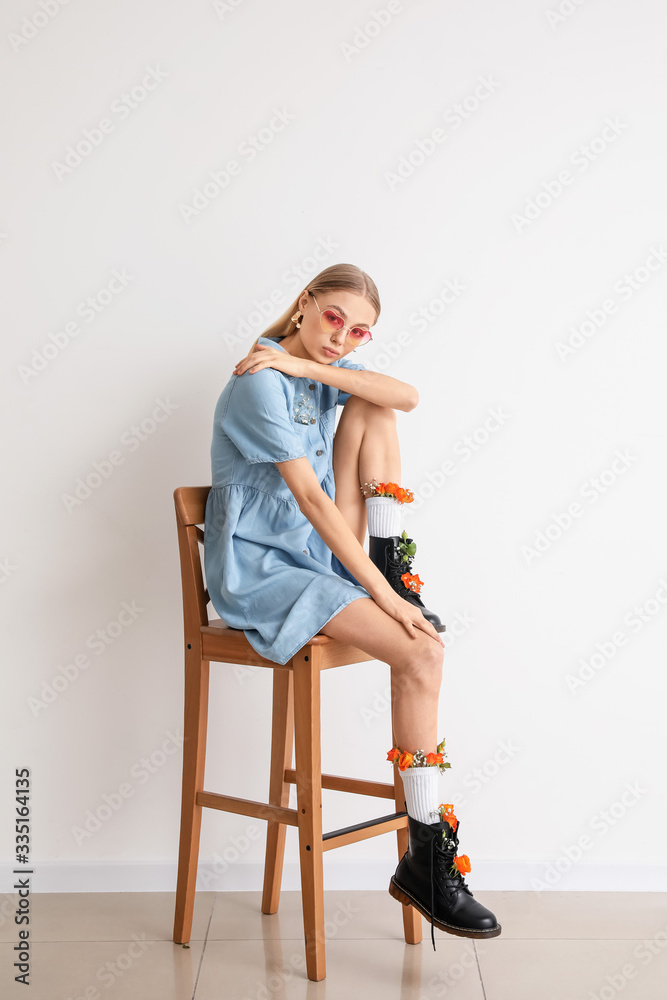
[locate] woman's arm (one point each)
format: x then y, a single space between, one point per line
373 386
336 533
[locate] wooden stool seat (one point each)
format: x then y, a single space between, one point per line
295 728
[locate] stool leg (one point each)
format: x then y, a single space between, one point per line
306 666
412 918
194 758
282 738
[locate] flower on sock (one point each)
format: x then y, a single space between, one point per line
376 489
419 758
462 864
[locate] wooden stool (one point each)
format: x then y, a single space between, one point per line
296 719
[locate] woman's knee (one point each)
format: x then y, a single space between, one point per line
422 666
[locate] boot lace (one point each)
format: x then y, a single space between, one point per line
395 569
442 862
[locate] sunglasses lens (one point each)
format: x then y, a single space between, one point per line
359 336
331 321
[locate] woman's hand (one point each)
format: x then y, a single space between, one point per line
272 357
405 613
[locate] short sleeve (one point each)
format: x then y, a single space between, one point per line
344 363
257 418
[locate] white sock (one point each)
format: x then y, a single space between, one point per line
420 785
384 516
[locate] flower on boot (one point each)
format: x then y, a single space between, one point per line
407 548
462 864
412 582
446 810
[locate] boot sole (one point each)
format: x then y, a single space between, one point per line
403 896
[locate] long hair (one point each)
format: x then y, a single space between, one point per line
347 277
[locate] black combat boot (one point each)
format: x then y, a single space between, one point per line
427 879
392 563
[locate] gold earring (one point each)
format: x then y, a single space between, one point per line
295 318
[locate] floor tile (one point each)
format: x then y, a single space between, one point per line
107 916
574 970
577 915
356 970
113 970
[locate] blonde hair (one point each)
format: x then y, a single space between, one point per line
347 277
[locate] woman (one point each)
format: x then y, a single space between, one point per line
285 526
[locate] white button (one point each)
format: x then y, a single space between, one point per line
305 552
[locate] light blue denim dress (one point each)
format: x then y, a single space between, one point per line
268 571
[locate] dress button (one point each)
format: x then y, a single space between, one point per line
311 386
319 452
313 420
305 552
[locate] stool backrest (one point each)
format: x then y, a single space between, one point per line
190 503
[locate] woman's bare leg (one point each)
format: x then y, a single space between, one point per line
416 668
366 446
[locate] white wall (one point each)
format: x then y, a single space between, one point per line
359 102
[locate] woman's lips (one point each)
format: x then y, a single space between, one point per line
332 354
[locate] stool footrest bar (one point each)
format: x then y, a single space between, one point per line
362 831
359 786
247 807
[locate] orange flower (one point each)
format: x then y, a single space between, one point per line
380 488
409 496
391 488
447 813
400 494
404 760
412 582
462 863
393 754
434 758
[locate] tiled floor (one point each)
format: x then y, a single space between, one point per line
554 946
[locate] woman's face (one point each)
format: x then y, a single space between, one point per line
327 347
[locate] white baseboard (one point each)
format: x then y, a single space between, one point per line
239 875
